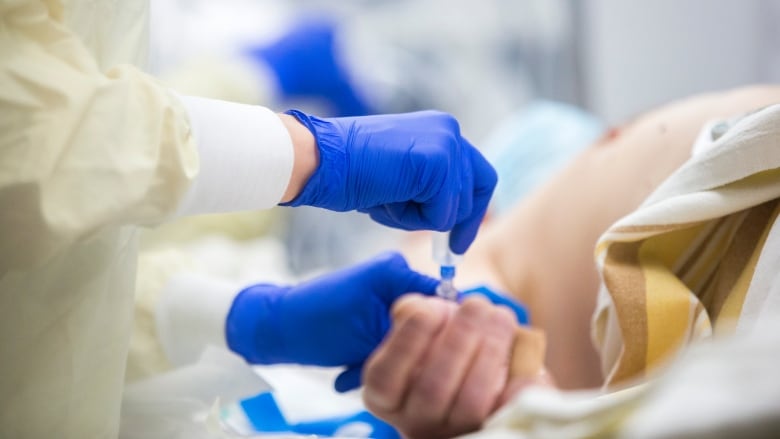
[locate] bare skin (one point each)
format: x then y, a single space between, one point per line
443 368
305 153
542 251
418 382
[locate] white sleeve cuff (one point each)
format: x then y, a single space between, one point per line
246 157
191 315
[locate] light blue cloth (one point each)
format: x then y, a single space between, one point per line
528 146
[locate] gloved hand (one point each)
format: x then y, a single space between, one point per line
306 64
410 171
334 320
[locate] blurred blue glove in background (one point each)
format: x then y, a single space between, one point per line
410 171
334 320
306 64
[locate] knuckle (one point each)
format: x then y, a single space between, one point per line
408 305
449 120
480 315
381 393
474 307
505 316
449 128
498 328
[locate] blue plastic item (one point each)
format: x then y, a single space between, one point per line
265 416
500 299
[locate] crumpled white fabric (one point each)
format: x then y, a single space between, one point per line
192 402
721 389
185 402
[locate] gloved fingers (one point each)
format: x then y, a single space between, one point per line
466 196
256 309
396 278
485 179
418 283
438 175
442 210
349 379
464 233
412 216
404 216
439 212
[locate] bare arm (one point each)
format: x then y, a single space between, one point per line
542 251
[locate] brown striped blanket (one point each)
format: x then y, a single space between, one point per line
685 265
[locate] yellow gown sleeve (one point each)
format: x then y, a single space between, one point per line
80 148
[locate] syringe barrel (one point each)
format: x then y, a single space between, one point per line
441 250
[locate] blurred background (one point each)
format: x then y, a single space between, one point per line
531 81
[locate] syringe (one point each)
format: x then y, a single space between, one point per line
447 261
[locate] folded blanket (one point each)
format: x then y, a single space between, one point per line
694 259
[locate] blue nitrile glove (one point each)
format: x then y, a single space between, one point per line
411 171
334 320
306 64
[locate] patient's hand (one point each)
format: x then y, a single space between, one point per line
443 368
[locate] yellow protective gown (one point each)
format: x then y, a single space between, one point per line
90 148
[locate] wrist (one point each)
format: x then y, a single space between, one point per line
306 156
325 186
252 327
